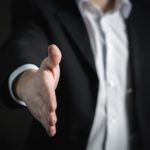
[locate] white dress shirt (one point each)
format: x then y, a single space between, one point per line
107 33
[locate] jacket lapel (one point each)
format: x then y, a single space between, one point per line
139 42
73 24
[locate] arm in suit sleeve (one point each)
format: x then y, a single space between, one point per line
27 44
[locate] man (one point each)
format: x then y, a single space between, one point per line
100 87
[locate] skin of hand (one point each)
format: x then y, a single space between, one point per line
37 89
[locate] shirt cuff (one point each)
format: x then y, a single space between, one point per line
14 75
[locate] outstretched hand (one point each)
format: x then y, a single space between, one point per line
37 89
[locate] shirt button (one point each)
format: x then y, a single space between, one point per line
111 84
112 119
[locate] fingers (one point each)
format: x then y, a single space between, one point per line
52 106
48 116
52 119
52 124
52 131
54 56
52 115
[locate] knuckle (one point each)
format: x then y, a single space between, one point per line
53 119
53 107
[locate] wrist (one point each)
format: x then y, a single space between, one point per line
21 84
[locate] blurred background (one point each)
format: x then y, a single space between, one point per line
14 124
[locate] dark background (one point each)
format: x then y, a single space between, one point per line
5 19
14 124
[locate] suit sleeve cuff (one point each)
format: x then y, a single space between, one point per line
14 75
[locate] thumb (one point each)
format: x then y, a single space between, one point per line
53 59
54 56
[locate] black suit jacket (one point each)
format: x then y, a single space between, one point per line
35 25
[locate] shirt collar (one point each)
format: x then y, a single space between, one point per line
124 6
